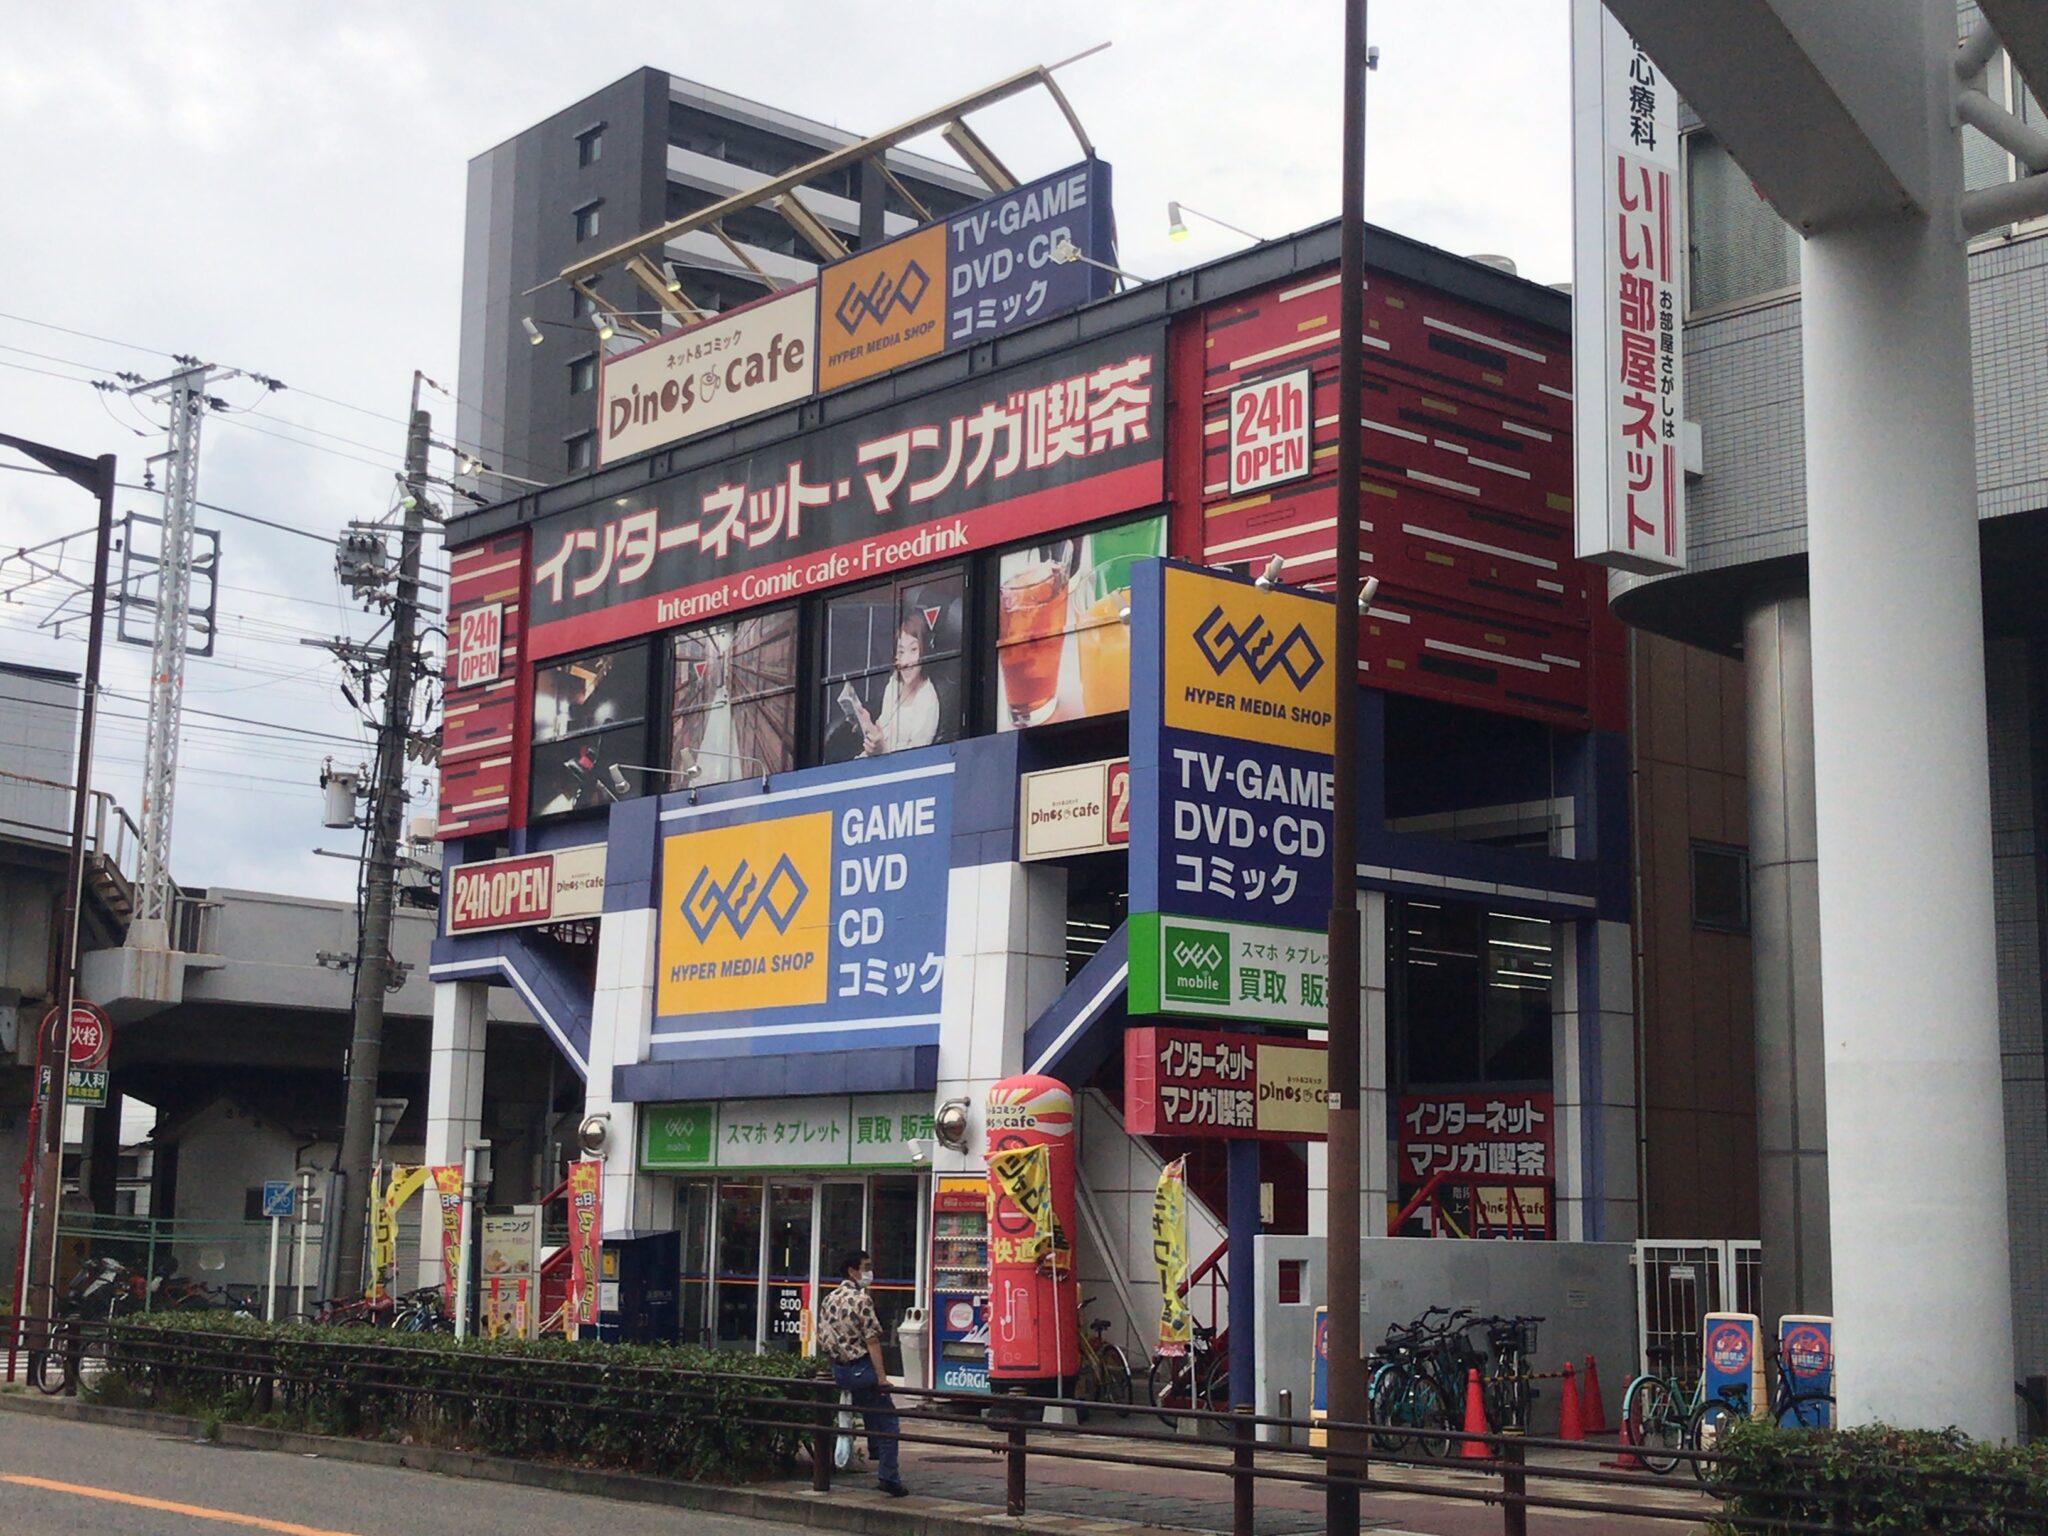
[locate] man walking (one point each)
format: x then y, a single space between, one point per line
850 1336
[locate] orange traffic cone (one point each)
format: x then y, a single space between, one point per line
1475 1419
1627 1460
1592 1410
1570 1422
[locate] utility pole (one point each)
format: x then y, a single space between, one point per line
1347 1371
43 1162
386 813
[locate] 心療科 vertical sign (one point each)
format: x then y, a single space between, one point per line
1628 398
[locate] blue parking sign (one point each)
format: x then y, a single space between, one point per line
277 1198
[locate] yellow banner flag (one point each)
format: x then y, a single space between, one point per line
1025 1174
405 1183
1170 1256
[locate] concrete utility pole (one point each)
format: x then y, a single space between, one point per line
1346 1371
386 812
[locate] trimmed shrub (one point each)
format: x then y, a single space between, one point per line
1876 1478
683 1412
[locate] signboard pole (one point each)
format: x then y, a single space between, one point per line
301 1219
1347 1374
270 1285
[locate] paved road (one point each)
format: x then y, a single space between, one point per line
89 1480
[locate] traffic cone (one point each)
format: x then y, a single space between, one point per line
1627 1460
1570 1422
1475 1419
1593 1410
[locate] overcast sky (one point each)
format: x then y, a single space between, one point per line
279 188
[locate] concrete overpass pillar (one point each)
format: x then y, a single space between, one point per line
455 1069
1915 1116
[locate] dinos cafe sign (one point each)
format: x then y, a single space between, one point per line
747 360
530 888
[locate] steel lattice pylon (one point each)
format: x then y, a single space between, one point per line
153 890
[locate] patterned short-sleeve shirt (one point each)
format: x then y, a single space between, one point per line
846 1323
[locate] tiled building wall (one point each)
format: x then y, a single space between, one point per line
1698 1051
2016 884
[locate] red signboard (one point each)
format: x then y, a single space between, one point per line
1206 1082
479 645
90 1038
531 888
1475 1133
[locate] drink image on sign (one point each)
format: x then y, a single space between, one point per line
1031 633
1102 638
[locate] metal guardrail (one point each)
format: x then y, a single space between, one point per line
1014 1426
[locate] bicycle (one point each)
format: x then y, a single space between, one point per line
1105 1373
420 1312
1658 1408
71 1357
1789 1407
1409 1394
1198 1380
1511 1341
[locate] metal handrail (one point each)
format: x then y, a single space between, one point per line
808 1409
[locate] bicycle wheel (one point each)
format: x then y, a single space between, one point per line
50 1367
1116 1381
1651 1419
1807 1410
1170 1385
89 1365
1426 1408
1383 1399
1711 1421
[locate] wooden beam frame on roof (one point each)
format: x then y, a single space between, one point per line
1039 75
808 225
739 253
671 299
602 307
969 146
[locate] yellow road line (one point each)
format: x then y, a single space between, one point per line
196 1511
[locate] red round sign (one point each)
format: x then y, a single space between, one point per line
91 1037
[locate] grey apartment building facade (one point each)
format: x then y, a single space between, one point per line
1744 596
645 149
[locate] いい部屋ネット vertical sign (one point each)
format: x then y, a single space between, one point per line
1627 320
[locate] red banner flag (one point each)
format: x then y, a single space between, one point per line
448 1195
586 1239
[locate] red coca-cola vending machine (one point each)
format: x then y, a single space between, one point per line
1034 1304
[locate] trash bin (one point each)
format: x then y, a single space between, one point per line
913 1340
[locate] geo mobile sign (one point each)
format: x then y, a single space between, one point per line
1628 408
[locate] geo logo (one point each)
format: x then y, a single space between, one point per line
742 899
1222 642
1197 968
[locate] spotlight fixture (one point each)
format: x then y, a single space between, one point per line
1269 578
672 280
1367 591
605 329
1176 226
533 335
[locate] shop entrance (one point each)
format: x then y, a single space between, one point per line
760 1253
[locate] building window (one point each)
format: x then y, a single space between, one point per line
1740 248
1720 888
252 1204
892 674
579 451
1471 995
587 220
583 374
581 305
589 731
732 695
590 145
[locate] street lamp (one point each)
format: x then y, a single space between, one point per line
1177 225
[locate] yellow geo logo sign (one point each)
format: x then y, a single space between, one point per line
1248 663
746 916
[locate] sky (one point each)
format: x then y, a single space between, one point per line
279 189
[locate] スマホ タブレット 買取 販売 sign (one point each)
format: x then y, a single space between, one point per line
750 359
528 888
812 926
1199 1082
1628 406
1048 444
838 1131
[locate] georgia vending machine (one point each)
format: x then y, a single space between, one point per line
960 1283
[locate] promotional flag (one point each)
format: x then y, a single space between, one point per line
447 1179
586 1239
1025 1174
1170 1256
405 1183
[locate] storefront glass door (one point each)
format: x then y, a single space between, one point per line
693 1290
792 1210
739 1262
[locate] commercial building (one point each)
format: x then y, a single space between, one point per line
790 759
644 149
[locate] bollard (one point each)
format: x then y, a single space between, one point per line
1283 1434
1014 1490
1242 1487
1514 1514
821 1438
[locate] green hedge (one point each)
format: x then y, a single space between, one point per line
674 1411
1880 1479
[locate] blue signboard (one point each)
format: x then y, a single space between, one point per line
277 1198
812 918
1000 268
1729 1356
1806 1364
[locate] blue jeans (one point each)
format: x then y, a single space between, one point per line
859 1382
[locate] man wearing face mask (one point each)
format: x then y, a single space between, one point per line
850 1336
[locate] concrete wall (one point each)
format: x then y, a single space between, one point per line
38 741
1585 1292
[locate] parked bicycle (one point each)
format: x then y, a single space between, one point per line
1105 1374
1666 1414
73 1354
1791 1405
1511 1346
1417 1380
1199 1379
421 1311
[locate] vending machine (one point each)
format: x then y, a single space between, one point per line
960 1283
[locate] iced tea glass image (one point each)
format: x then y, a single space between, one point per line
1102 639
1031 633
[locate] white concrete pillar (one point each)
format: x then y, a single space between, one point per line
1916 1164
1376 1182
455 1088
1006 963
621 1018
1593 1080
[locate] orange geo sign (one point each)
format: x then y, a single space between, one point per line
882 308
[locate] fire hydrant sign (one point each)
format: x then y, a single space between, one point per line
90 1037
1269 432
1202 1082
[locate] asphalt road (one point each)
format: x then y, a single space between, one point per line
89 1480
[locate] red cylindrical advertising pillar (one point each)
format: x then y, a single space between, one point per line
1034 1306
